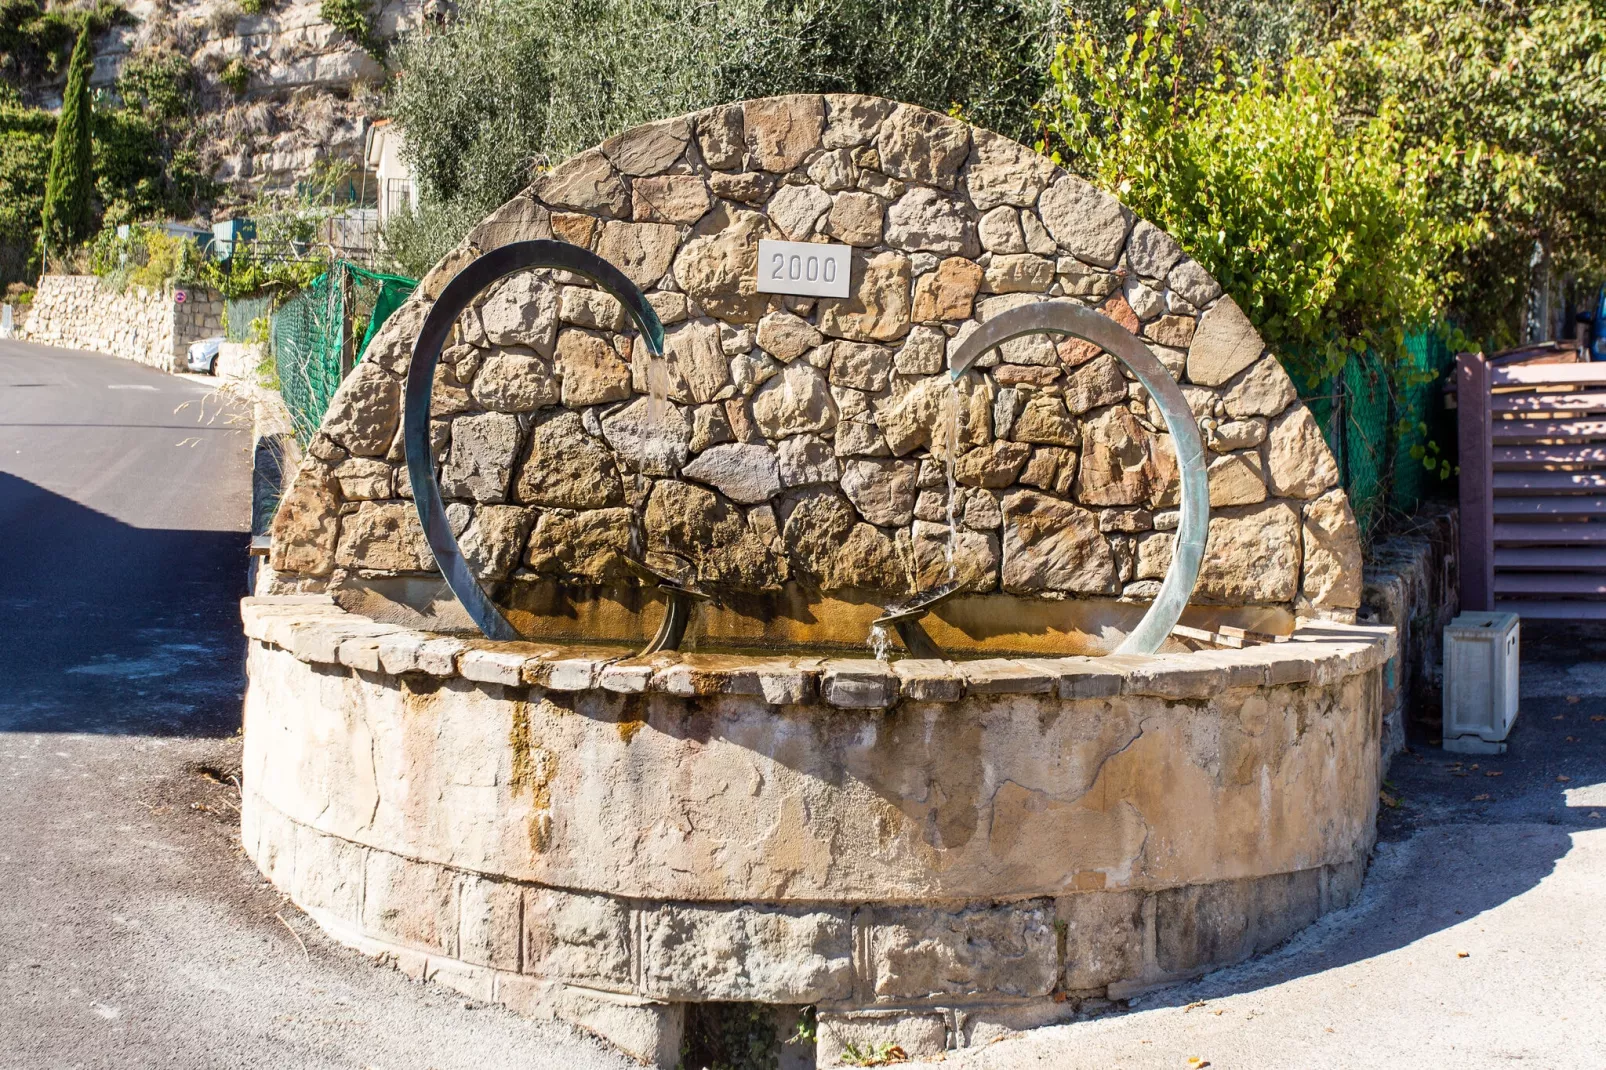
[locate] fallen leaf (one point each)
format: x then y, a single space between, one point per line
1598 717
1563 779
1572 739
1481 798
1493 772
1559 717
1463 954
1573 700
1193 1006
1388 800
1474 765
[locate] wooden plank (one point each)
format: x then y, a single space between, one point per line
1552 610
1550 559
1543 508
1549 482
1510 458
1475 450
1509 533
1508 432
1552 402
1547 374
1549 583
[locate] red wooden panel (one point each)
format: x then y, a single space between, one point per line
1549 583
1547 374
1550 559
1509 533
1551 610
1559 431
1556 402
1553 457
1558 506
1549 482
1474 447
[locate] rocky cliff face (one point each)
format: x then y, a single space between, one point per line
278 91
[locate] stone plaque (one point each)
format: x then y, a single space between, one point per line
811 269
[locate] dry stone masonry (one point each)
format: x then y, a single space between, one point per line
804 441
148 326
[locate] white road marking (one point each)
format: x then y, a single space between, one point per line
128 386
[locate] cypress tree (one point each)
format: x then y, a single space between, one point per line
67 218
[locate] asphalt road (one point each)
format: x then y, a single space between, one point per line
133 931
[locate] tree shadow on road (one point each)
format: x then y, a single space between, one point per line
110 628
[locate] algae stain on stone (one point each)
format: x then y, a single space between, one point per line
534 768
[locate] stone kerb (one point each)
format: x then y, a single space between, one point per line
804 444
604 839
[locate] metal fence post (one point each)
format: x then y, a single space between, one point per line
1475 433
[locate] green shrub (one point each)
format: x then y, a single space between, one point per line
67 215
353 18
1321 225
254 7
235 76
25 137
35 37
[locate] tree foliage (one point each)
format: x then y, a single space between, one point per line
508 86
1515 91
67 217
25 137
1323 229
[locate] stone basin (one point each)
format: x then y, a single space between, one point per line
926 852
932 852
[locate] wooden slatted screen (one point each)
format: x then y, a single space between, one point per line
1533 487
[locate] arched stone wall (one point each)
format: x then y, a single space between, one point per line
801 455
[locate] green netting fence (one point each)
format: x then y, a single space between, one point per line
240 312
322 332
1385 426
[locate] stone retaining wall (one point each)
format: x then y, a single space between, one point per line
78 312
932 853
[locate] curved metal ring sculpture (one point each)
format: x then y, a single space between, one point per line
1064 317
464 287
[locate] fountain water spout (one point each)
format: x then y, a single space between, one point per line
904 618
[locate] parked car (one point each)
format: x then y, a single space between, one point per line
203 355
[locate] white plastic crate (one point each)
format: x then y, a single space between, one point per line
1480 682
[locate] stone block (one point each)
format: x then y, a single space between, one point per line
978 1027
781 131
858 684
569 936
1088 223
928 680
1002 676
746 954
850 1038
491 666
1103 938
643 1029
491 924
328 871
925 952
413 903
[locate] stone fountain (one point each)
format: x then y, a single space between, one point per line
559 685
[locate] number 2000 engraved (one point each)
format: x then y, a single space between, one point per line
808 268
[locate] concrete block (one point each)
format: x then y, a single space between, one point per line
643 1029
977 1027
1203 925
